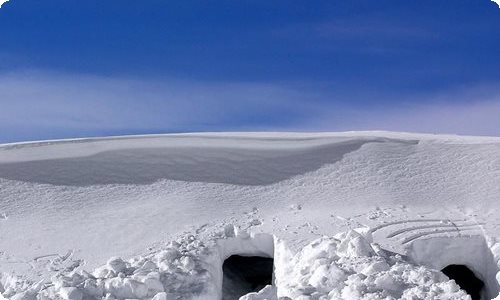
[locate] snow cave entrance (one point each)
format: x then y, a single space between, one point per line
466 259
247 264
466 279
245 274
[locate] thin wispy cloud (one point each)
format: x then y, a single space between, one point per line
370 29
360 34
470 110
83 102
363 26
80 105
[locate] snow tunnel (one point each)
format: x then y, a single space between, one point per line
466 259
247 265
245 274
466 279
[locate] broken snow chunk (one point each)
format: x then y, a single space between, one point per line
73 279
166 266
161 296
450 288
148 266
327 277
354 288
27 295
109 297
267 293
386 282
154 275
70 293
168 255
139 289
154 285
355 245
102 272
376 267
188 263
116 264
126 288
92 288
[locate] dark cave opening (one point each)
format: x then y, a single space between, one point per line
245 274
466 279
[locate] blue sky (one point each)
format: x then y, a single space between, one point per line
71 68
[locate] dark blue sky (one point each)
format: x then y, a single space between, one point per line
73 68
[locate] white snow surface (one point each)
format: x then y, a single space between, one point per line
353 215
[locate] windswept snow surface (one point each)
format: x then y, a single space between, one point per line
175 206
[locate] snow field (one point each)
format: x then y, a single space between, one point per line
66 206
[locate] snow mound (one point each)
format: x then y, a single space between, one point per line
347 266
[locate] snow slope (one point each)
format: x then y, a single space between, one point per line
70 205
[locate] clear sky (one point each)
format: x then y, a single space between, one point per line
73 68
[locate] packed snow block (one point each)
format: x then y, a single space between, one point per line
470 251
267 293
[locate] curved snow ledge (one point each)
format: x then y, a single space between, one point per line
347 266
260 165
